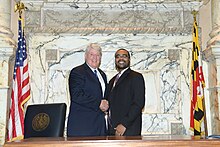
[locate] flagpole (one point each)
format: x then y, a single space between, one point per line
194 12
205 120
20 7
20 84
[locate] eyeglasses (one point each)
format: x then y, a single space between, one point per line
121 56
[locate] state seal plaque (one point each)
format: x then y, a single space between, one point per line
40 122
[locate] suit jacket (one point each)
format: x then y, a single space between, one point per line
85 117
126 101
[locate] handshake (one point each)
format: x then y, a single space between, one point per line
104 105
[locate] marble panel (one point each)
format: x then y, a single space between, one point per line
33 18
3 113
149 55
152 92
159 123
170 91
3 72
176 128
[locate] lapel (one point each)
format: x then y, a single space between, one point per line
90 72
122 77
93 76
103 75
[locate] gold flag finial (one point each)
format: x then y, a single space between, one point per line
194 12
19 7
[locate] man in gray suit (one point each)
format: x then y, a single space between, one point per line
126 96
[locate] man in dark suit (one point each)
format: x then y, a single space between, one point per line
87 85
126 96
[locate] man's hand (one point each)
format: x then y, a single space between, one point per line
104 105
120 130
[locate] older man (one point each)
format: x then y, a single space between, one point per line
87 85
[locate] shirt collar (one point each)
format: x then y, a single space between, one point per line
93 69
120 73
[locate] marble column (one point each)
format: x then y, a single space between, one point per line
212 54
6 50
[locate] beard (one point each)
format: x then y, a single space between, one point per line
122 64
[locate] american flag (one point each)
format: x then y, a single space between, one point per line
21 89
197 125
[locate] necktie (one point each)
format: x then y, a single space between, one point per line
95 72
116 79
108 116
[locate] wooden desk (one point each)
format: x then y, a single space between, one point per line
112 141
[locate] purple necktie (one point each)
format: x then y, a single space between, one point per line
116 80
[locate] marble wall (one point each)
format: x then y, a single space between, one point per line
162 59
157 33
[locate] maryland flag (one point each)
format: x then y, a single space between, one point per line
197 88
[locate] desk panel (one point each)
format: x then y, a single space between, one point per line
116 141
